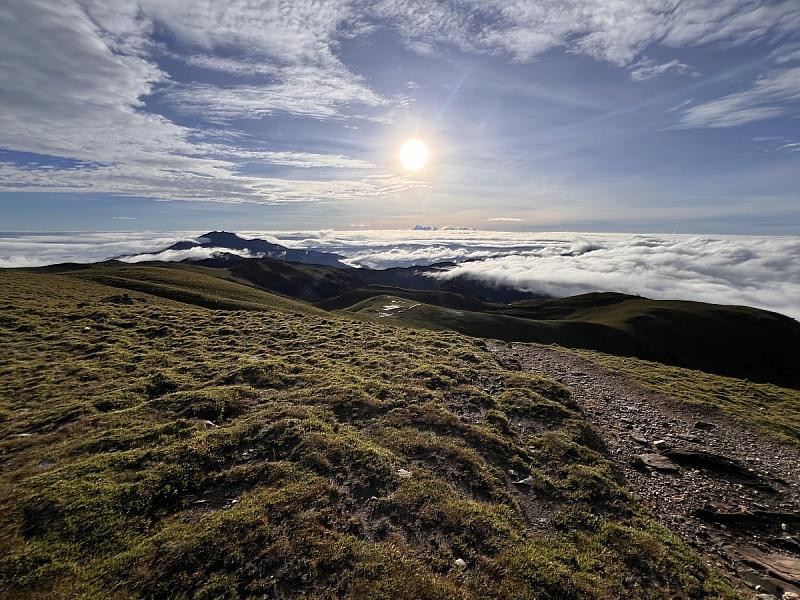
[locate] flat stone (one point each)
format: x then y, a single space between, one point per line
658 462
783 568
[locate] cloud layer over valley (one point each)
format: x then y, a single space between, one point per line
755 271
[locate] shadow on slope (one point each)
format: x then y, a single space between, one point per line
729 340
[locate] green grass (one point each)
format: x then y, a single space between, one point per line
730 340
767 406
181 436
210 288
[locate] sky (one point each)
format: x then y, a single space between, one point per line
581 115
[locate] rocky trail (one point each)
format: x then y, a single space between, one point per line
730 491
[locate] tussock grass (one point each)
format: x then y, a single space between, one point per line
175 437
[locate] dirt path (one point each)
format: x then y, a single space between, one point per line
730 491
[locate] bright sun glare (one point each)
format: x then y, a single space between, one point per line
414 155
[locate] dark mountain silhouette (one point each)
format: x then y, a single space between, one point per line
257 247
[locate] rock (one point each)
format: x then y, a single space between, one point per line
403 474
705 425
529 480
791 596
660 444
658 462
640 439
780 567
460 564
732 469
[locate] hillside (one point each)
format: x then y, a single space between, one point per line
167 433
730 340
736 341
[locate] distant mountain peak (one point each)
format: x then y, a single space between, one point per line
257 247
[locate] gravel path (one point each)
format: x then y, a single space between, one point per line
730 491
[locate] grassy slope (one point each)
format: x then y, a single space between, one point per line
106 449
210 288
767 406
729 340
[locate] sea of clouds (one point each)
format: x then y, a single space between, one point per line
756 271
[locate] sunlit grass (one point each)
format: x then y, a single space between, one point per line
219 442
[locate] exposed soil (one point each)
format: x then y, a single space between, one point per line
729 490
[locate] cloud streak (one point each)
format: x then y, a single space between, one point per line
615 31
772 95
649 69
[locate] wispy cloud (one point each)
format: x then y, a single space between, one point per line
772 95
504 220
95 82
647 68
614 31
224 186
778 143
307 91
94 114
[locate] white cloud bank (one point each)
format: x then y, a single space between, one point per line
39 249
755 271
197 253
760 272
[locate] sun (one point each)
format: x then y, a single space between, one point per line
414 154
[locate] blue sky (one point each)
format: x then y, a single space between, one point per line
596 115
